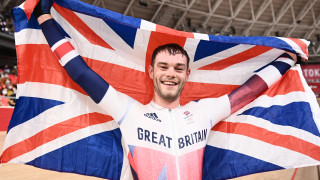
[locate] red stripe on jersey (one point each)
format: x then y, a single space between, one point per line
158 161
298 145
193 169
63 49
81 27
239 57
53 133
130 158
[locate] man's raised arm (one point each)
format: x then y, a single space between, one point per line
78 70
261 81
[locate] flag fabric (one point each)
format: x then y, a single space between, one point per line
56 126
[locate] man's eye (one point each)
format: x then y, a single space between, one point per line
163 67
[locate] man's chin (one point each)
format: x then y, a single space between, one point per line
170 97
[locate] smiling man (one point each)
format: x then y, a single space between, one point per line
163 139
169 71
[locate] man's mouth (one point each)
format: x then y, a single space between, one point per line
169 83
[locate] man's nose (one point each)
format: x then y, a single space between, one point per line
170 72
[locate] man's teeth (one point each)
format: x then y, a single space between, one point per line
169 83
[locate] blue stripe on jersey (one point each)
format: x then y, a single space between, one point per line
21 21
29 107
224 164
208 48
131 148
283 115
134 173
129 105
94 85
98 155
51 31
281 66
163 173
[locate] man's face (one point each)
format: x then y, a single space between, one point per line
169 74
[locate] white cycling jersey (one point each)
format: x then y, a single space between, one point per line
165 143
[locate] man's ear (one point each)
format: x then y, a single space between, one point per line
188 73
150 69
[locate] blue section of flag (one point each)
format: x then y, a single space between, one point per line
127 33
99 155
105 14
208 48
254 40
21 21
29 107
296 114
225 164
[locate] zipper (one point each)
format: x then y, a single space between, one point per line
175 145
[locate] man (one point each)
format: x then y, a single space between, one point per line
163 139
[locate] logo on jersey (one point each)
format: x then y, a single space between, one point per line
152 116
188 117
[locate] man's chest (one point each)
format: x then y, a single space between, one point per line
176 131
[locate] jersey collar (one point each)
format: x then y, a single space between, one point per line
157 106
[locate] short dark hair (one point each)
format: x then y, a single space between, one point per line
173 49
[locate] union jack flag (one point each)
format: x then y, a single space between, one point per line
56 126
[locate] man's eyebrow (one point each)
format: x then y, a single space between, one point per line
180 64
162 63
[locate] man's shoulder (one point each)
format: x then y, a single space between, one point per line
210 99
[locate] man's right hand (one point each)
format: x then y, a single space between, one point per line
43 7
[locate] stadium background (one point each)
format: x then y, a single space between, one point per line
283 18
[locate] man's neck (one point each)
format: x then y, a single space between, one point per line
166 104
